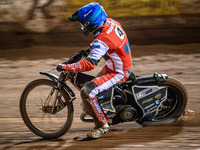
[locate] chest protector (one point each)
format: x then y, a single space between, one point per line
119 54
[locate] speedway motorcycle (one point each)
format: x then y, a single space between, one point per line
46 105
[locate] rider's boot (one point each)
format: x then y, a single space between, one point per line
98 132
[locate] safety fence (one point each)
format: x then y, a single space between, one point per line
44 15
130 8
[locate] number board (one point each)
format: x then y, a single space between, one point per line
119 32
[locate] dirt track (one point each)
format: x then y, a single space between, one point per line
17 68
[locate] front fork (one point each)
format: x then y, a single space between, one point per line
55 99
51 101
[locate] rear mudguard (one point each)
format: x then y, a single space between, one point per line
54 78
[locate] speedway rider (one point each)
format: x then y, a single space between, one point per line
110 42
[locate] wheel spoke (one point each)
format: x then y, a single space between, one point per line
36 109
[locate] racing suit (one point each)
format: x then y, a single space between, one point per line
110 42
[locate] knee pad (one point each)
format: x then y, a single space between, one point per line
84 94
86 89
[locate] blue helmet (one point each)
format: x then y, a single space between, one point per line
91 16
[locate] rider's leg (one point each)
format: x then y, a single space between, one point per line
92 105
88 94
94 109
102 72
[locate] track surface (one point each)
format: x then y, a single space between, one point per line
17 68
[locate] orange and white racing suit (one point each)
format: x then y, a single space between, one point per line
110 42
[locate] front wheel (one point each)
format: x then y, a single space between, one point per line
45 109
174 105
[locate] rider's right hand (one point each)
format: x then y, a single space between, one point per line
59 67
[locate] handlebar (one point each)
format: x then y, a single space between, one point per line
52 69
73 59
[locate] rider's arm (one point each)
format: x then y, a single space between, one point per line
98 49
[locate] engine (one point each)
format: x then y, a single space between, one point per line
124 113
118 110
128 113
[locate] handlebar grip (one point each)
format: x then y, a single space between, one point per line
52 69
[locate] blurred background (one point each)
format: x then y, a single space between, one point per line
26 23
35 35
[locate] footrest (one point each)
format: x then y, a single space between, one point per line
86 118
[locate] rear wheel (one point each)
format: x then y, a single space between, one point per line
173 107
38 112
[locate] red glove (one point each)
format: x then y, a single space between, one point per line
80 66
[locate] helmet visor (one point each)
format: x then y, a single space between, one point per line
74 17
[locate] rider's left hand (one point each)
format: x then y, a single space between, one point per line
59 67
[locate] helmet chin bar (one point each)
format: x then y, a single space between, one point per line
89 28
84 31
